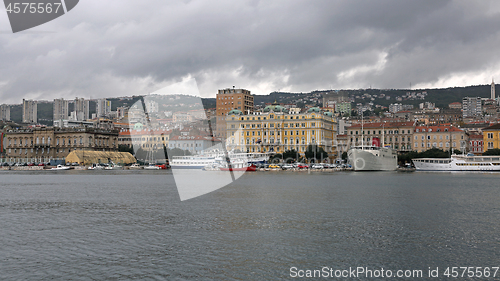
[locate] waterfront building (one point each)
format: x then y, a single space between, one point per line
143 138
227 100
476 144
471 107
44 144
86 157
276 130
60 111
397 135
440 136
193 144
4 112
491 137
30 111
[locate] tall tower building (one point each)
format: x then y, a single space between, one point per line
492 89
60 110
30 110
4 113
471 107
81 110
103 107
227 100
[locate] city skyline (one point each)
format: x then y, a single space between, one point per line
128 48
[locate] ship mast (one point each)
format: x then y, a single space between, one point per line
362 130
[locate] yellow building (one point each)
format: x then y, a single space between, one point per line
443 137
276 130
491 137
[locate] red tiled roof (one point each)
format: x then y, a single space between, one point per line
435 128
384 124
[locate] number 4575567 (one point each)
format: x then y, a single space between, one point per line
33 8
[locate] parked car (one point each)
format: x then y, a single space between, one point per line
317 166
302 166
41 164
274 166
287 166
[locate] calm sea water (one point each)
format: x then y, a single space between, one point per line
120 225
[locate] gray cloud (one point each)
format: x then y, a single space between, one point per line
117 48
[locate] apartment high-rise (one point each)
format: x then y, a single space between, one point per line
471 107
30 110
4 112
80 110
492 89
61 111
103 108
227 100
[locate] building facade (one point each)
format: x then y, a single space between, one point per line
44 144
276 130
491 137
30 111
471 107
397 135
476 144
4 112
61 113
227 100
81 110
103 108
193 144
444 137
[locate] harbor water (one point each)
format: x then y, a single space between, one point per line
121 225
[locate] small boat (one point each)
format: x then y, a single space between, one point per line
406 168
95 167
60 168
151 167
135 167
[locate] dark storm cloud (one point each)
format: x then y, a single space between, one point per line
117 48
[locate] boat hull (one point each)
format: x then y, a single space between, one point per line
463 164
383 159
245 169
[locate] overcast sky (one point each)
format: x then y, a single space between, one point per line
132 47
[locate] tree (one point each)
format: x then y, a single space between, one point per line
125 148
276 158
344 155
290 156
494 151
315 152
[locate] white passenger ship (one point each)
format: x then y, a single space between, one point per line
458 163
373 158
201 161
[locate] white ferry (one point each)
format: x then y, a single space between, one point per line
201 161
458 163
373 158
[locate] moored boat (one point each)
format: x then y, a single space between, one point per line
60 168
458 163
